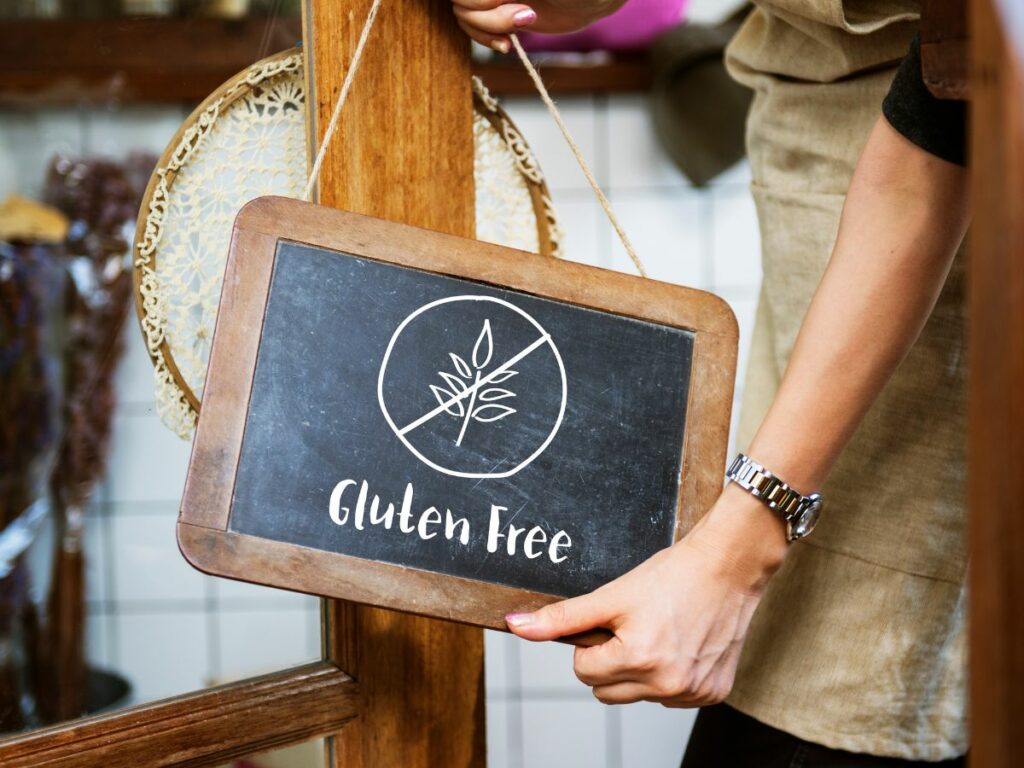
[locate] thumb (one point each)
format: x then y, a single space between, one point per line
566 617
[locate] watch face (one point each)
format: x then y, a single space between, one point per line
804 524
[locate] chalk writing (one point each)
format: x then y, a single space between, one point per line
430 522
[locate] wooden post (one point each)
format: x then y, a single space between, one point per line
996 444
404 152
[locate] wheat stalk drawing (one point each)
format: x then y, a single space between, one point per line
484 405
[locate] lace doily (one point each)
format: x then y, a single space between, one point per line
249 139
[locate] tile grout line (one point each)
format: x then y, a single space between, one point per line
707 213
84 132
167 605
602 159
214 662
514 684
110 575
577 194
613 736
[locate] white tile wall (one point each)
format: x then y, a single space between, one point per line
163 653
637 161
254 642
171 629
585 228
667 231
148 462
96 588
653 735
710 11
545 669
569 733
117 130
145 569
499 748
735 243
29 140
242 594
501 677
561 168
98 640
151 617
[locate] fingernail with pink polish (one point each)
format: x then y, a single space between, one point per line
519 619
524 17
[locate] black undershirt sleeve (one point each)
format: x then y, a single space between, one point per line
938 126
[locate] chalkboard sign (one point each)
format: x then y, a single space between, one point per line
422 422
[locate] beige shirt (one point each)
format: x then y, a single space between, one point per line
859 643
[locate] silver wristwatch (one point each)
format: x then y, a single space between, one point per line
801 513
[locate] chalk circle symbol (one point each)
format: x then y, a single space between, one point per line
543 340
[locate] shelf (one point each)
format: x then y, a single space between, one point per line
623 73
119 61
131 60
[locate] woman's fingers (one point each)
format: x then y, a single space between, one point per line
566 617
481 5
620 693
501 20
629 692
604 664
497 42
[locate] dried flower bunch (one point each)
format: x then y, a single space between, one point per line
62 306
101 199
31 282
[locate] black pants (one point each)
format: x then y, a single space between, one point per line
725 738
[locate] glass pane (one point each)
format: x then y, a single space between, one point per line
97 607
308 755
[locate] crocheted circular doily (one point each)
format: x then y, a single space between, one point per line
249 139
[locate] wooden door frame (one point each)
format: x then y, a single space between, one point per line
404 152
421 691
207 728
996 416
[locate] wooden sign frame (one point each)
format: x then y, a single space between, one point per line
203 535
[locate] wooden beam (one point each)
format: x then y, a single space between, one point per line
996 442
620 73
208 728
99 61
131 60
404 152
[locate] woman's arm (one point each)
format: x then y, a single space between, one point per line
681 617
905 216
490 22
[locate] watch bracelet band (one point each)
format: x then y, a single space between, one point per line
775 493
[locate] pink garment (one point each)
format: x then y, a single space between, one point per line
633 26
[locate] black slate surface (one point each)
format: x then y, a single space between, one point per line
608 476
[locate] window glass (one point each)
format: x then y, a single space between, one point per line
98 609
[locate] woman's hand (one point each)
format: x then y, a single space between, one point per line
679 618
490 22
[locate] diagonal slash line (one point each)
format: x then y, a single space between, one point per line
471 389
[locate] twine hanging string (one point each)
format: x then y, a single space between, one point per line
574 147
346 86
544 95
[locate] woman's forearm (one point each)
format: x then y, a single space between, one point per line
904 218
